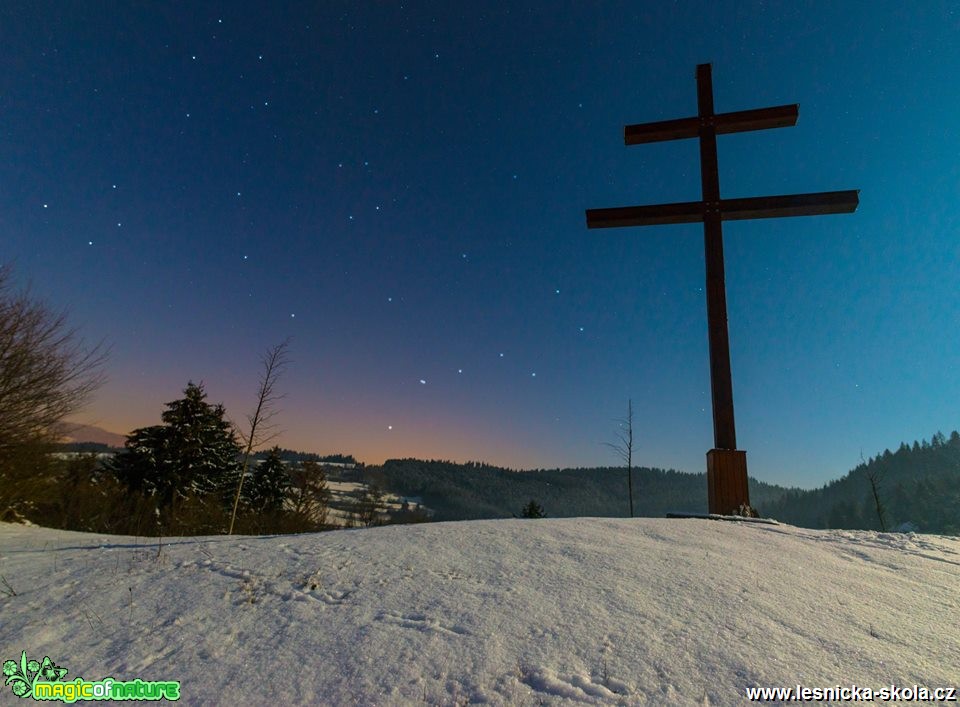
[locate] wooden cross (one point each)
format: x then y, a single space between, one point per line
726 465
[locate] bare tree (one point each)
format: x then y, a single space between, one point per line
309 493
873 476
624 448
46 374
262 430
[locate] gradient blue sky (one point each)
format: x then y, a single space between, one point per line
401 189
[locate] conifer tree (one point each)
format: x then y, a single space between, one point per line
267 486
533 510
194 452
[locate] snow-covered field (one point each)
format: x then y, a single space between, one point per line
506 612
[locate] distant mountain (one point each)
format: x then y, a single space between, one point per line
76 432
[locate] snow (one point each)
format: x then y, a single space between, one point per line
503 612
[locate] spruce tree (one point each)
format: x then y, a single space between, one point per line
266 488
194 452
533 510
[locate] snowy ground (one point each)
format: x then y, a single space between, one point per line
505 612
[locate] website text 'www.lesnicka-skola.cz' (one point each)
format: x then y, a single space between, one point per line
852 693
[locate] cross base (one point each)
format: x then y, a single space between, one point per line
727 490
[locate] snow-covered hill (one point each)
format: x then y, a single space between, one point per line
511 612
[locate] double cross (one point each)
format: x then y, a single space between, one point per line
726 467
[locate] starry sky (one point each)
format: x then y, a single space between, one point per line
400 188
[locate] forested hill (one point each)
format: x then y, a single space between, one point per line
474 490
918 487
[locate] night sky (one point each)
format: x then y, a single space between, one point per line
401 190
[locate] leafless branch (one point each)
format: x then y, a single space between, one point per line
624 448
46 370
262 430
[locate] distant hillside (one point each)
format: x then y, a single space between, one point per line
918 487
474 490
289 455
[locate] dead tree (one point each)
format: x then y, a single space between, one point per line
624 448
261 429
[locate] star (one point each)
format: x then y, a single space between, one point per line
389 427
422 382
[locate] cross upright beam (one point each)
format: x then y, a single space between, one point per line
726 465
